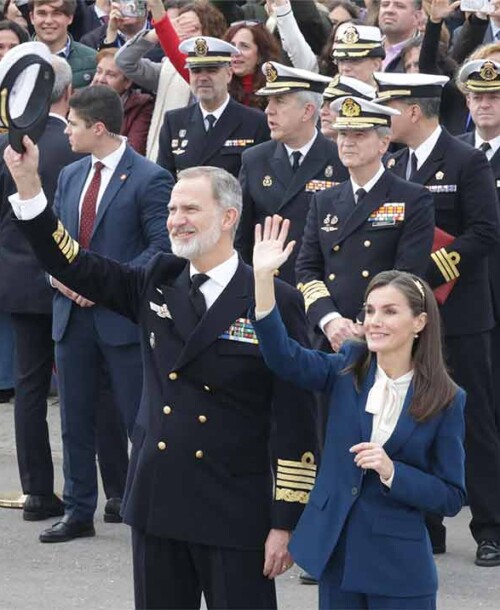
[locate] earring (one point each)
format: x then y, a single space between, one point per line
415 336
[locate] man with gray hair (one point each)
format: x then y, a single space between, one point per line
223 453
27 296
282 175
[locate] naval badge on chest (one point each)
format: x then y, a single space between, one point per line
329 223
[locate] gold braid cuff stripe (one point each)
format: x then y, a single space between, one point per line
447 263
289 495
66 244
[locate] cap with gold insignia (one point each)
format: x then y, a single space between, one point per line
392 85
341 86
359 113
206 51
26 82
480 75
354 41
284 79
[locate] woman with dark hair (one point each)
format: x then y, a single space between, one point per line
11 35
12 13
168 78
256 46
340 11
394 443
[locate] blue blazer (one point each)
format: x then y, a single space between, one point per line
130 227
387 551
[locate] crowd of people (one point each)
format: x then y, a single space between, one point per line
330 406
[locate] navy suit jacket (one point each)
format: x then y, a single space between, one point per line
130 227
388 551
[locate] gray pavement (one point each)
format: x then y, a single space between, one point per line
95 573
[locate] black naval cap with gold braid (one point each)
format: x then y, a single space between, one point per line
206 51
392 85
359 113
354 41
480 76
341 86
282 79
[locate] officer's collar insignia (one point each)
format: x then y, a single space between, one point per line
328 171
488 71
350 108
271 72
439 175
350 35
200 48
391 163
329 223
267 181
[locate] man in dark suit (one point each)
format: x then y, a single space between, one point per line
281 176
372 222
466 205
216 130
223 453
115 201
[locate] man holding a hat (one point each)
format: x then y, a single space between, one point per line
281 176
372 222
358 51
466 207
216 130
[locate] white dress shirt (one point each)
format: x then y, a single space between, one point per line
424 150
220 277
216 113
385 401
355 186
303 149
494 143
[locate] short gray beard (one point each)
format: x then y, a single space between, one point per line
198 245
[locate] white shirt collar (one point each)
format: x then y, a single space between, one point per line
99 12
303 149
494 143
216 113
58 116
111 161
425 149
371 183
223 273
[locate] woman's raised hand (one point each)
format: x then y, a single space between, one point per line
270 251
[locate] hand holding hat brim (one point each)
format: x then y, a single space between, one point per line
24 168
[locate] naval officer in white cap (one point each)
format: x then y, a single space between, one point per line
217 129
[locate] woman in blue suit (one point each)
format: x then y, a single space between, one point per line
394 442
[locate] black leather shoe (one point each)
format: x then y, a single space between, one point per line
67 529
37 508
306 579
488 554
112 511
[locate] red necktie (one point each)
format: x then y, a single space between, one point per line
87 216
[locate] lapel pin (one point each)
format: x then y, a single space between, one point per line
328 171
123 177
439 175
391 163
268 181
152 340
